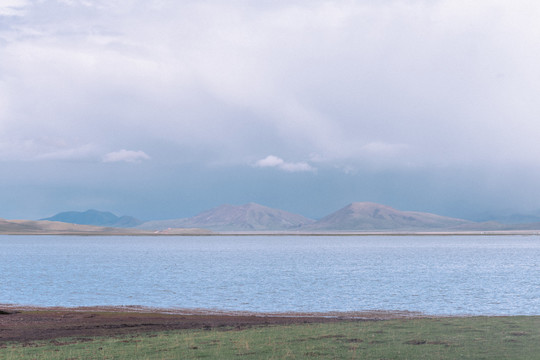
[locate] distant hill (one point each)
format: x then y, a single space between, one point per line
248 217
96 218
42 227
53 227
365 216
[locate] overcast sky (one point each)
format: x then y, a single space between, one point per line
162 109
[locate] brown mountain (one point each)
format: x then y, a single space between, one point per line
248 217
365 216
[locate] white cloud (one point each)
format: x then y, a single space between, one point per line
274 161
270 161
126 155
13 7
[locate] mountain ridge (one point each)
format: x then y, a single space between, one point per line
368 216
355 217
247 217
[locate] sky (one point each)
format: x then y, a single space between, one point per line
162 109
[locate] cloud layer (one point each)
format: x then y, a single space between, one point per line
344 86
450 81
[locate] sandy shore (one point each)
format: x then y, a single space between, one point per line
29 323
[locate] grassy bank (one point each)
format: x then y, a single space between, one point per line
441 338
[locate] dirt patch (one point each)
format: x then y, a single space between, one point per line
415 342
26 324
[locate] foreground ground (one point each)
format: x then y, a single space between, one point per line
139 334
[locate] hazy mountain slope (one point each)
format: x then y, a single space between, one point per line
513 218
7 226
95 217
525 226
248 217
367 216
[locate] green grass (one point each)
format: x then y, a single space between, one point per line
443 338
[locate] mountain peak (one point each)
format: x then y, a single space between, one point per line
247 217
94 217
367 216
365 205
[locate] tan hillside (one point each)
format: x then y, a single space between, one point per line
366 216
60 228
248 217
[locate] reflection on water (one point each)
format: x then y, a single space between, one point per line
435 275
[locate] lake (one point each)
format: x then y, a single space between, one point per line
483 275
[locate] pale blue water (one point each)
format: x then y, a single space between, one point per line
431 274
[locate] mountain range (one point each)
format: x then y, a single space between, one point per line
357 216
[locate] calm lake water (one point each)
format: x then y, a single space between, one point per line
432 274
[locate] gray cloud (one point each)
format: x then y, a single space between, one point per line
349 85
46 148
448 79
13 7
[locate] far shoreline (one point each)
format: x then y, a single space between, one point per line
118 232
140 309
